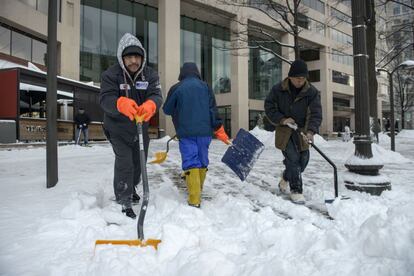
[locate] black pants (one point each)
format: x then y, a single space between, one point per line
295 163
127 171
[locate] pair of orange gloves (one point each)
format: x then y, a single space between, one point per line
129 108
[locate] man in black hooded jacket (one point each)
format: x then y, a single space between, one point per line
128 89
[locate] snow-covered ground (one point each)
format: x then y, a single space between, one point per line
242 228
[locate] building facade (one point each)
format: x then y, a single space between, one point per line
214 35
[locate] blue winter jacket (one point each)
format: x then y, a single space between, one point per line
192 105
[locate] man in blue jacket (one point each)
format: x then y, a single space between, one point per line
192 105
294 101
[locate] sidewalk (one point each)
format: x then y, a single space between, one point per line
43 144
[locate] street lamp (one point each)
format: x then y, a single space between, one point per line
408 64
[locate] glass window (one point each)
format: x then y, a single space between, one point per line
90 46
342 78
208 46
255 118
4 40
341 37
303 21
309 54
314 76
340 16
126 23
31 3
341 57
103 23
316 5
265 69
341 102
39 50
396 10
21 46
316 27
225 114
42 6
109 43
190 43
152 49
221 63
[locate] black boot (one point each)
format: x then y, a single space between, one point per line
135 198
129 212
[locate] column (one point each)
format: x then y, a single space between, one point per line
168 52
326 92
239 75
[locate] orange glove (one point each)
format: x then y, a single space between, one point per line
148 109
127 107
222 135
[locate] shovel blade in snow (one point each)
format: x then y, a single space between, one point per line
159 157
150 242
241 156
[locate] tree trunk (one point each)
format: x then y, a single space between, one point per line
296 29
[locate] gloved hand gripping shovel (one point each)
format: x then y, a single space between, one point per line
295 128
162 155
140 225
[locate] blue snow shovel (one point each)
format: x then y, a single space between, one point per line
242 154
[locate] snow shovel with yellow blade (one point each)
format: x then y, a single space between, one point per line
162 155
140 225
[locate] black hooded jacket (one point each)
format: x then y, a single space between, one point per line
142 86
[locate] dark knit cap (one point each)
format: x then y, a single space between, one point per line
298 69
133 50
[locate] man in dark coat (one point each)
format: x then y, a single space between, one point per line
294 101
82 121
192 105
128 89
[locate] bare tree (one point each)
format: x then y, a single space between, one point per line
400 38
404 95
288 17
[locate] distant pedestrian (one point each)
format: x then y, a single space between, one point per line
82 121
376 129
387 125
347 134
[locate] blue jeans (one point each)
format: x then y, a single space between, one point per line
194 152
295 163
85 132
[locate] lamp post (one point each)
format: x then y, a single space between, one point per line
409 64
363 168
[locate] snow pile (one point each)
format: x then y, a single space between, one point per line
383 138
164 139
406 134
266 137
387 156
242 228
319 140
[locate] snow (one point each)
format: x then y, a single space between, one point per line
240 229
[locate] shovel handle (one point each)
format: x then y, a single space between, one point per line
295 128
168 142
139 119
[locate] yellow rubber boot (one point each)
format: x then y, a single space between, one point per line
194 187
203 173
